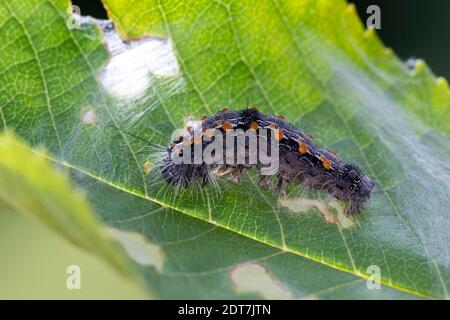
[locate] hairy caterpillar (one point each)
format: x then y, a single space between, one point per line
300 159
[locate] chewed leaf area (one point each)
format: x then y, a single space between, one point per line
331 210
105 108
253 277
140 250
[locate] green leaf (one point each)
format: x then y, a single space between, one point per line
201 260
308 60
29 185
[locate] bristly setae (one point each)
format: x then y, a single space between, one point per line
300 159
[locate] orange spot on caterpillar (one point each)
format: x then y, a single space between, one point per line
279 134
224 110
281 117
303 148
325 163
273 126
227 126
254 126
203 118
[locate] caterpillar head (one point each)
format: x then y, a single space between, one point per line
181 175
352 185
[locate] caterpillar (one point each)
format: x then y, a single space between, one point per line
299 158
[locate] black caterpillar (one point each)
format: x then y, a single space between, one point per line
300 159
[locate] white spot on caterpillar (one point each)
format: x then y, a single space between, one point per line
88 115
139 248
331 210
127 73
252 277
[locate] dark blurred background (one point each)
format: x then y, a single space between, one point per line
412 28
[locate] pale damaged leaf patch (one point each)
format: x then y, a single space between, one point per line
252 277
139 248
330 209
148 166
127 74
88 116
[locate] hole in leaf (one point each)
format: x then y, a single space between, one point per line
139 248
331 210
252 277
